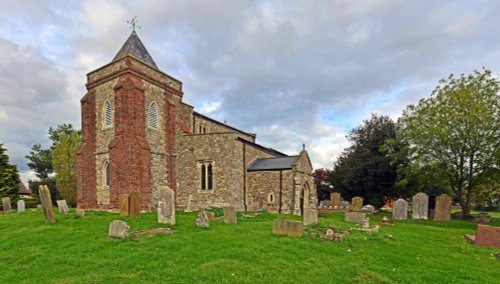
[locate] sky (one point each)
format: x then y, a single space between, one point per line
293 72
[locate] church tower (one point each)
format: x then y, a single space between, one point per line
128 128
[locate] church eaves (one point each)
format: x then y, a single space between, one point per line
134 47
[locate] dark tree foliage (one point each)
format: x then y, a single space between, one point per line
9 178
323 187
363 169
40 161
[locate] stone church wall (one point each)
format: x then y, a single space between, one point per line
264 191
203 125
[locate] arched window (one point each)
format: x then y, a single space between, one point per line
206 176
153 115
105 173
203 177
108 119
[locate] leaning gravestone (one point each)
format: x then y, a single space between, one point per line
355 217
6 205
46 200
335 199
21 206
118 229
420 206
124 205
357 203
135 204
310 217
202 219
62 205
166 206
442 211
400 210
230 215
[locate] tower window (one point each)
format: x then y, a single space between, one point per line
153 116
105 172
108 119
206 176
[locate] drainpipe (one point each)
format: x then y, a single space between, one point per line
281 191
245 176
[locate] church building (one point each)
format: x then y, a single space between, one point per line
139 136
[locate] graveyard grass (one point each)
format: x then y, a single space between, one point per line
77 250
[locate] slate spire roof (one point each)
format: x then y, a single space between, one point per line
134 47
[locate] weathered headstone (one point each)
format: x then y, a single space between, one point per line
369 209
118 229
210 215
135 204
62 205
287 227
166 206
46 200
335 199
355 217
80 212
366 223
442 211
188 206
420 206
202 220
21 206
357 203
124 205
400 210
310 216
6 205
230 215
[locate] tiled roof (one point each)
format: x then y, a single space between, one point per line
134 47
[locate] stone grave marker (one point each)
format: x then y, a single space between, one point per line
310 216
134 204
400 210
62 205
442 211
230 215
357 203
355 217
369 209
46 200
21 206
420 206
118 229
7 208
188 206
287 227
335 199
202 220
124 205
80 212
166 206
210 215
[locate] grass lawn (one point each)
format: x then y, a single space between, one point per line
77 250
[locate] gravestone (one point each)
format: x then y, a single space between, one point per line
46 200
80 212
166 206
400 210
335 199
355 217
420 206
21 206
369 209
287 227
134 204
202 220
118 229
188 206
124 205
442 211
230 215
62 205
210 215
6 205
357 203
366 223
310 216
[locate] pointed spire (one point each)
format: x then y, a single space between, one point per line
134 47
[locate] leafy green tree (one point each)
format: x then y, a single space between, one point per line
64 163
363 169
9 178
323 188
40 161
457 130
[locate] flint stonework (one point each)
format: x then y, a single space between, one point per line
357 203
400 210
420 206
46 200
442 211
230 215
21 206
166 206
6 205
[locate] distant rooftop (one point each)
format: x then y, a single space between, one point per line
273 164
134 47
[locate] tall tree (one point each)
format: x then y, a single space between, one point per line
323 187
64 162
457 129
40 161
9 178
363 169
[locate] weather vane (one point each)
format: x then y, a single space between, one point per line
133 23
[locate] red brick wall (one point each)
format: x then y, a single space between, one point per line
487 236
85 163
170 110
129 154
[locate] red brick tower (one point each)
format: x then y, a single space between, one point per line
128 127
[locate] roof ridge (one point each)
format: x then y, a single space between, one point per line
134 47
